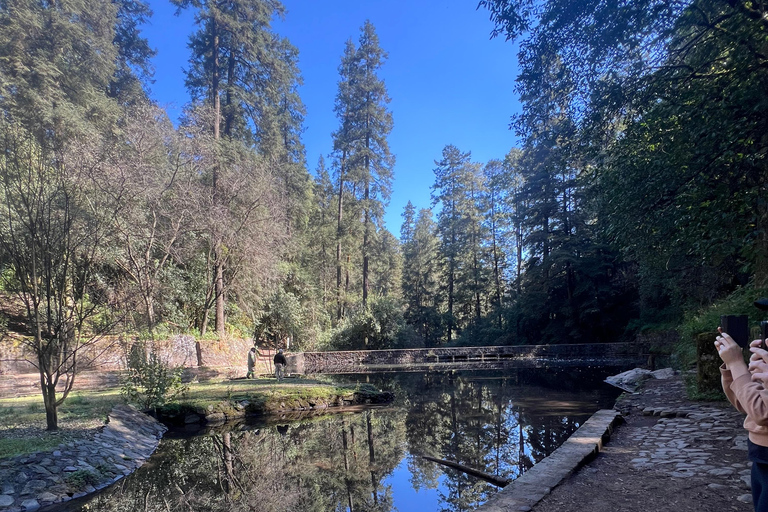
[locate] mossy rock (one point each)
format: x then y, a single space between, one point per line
707 363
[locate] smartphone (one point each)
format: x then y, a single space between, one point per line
763 333
737 326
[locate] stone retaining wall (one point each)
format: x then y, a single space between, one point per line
72 470
362 361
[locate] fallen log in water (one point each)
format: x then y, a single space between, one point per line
495 480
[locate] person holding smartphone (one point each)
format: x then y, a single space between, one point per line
744 386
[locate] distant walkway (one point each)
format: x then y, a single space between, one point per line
626 355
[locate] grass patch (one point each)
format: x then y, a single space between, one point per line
236 390
263 395
23 446
85 406
22 421
90 404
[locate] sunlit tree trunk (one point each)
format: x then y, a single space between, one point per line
218 259
339 233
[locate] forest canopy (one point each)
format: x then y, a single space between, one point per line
637 195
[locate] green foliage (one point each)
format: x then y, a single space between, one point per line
81 478
363 171
57 90
381 326
11 447
8 280
707 319
421 276
282 317
151 382
694 393
659 108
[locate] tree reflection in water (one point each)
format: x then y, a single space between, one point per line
500 424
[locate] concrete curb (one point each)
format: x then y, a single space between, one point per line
523 493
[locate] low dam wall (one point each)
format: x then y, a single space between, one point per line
497 357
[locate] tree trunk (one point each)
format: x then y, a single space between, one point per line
496 270
229 118
451 278
345 450
761 249
215 83
204 321
230 474
365 252
476 264
366 221
150 307
49 399
48 390
339 302
346 277
218 263
220 321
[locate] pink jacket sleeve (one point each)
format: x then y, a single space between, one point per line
747 396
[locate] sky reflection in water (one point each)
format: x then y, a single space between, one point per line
500 423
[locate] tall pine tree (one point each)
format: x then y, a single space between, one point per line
421 275
363 161
450 192
246 76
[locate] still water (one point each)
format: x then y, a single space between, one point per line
501 423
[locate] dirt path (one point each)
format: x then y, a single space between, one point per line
670 454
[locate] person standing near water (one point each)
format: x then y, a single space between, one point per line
252 355
280 363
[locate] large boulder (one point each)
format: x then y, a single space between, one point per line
630 380
664 374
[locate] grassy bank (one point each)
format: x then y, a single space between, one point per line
22 419
236 398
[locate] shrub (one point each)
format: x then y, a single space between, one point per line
706 320
740 302
381 326
151 382
81 478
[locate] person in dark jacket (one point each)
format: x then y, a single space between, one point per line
280 363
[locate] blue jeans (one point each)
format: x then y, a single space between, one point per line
759 478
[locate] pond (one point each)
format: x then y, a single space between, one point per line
501 423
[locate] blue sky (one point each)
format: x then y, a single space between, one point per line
449 83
